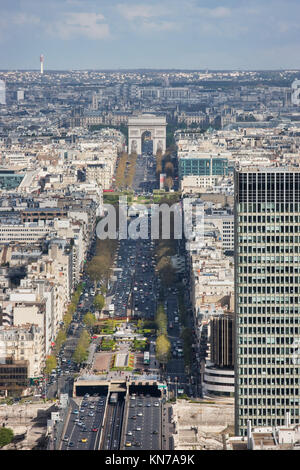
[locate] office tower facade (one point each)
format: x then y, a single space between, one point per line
295 98
20 95
222 340
218 376
94 104
2 92
205 165
267 296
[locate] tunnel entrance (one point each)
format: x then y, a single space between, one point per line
81 390
115 397
145 389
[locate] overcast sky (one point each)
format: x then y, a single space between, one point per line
193 34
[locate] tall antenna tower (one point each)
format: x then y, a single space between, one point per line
42 63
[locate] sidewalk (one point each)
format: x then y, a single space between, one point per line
167 426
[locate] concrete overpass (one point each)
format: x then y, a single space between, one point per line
94 384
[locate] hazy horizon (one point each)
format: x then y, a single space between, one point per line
148 69
165 34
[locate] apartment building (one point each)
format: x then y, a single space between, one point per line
27 232
24 343
225 225
13 376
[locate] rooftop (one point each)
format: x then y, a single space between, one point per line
272 169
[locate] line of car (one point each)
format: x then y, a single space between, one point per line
86 419
143 422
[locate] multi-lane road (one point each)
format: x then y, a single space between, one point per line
95 423
144 179
143 429
113 425
134 291
140 422
175 368
84 427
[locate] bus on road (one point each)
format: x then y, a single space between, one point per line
113 398
146 358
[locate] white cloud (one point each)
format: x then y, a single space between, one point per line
219 12
156 17
132 12
9 23
24 18
89 25
151 26
144 18
76 3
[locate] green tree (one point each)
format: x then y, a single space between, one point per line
103 290
71 309
163 349
100 265
80 354
89 319
166 271
99 302
60 339
84 339
161 320
6 436
50 364
67 319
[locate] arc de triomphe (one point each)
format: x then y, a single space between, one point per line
137 125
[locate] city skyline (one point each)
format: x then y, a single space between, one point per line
150 220
185 35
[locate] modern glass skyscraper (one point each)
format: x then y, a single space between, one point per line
267 296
